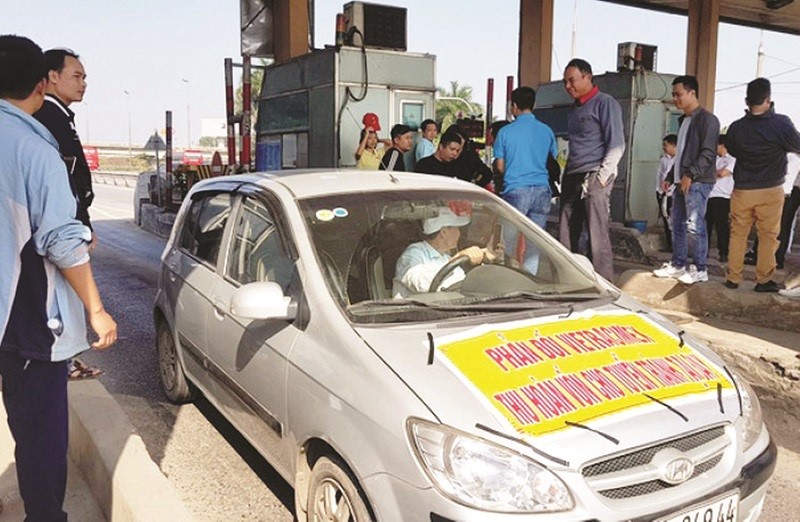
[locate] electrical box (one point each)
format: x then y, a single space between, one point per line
312 107
383 26
634 56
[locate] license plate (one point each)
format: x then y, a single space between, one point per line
721 509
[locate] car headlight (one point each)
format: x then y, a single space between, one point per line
751 412
484 475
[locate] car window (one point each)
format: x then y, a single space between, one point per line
381 246
204 226
256 252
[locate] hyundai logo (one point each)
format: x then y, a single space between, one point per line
677 470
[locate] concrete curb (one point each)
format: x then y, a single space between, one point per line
713 299
125 482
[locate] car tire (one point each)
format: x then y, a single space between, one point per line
176 386
334 494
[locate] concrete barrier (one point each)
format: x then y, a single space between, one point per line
122 179
713 299
123 479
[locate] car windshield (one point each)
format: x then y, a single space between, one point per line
394 256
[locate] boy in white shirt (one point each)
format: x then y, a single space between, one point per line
663 190
719 201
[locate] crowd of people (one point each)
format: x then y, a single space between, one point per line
707 182
747 178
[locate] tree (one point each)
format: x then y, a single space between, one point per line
447 109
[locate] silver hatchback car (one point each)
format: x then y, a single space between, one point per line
410 347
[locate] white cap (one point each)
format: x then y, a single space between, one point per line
446 218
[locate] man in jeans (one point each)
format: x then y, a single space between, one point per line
694 175
759 141
596 144
521 150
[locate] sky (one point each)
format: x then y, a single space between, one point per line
168 55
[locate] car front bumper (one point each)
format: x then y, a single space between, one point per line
397 500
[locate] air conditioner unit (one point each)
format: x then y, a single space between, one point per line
383 26
632 55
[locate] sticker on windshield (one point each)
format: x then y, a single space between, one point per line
325 215
340 212
543 375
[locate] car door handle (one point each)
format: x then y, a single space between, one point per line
219 310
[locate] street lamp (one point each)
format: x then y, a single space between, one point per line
188 115
130 147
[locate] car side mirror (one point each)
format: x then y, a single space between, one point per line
262 300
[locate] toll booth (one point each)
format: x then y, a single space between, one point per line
648 115
311 107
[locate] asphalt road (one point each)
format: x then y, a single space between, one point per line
216 472
218 475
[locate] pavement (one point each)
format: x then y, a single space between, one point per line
112 477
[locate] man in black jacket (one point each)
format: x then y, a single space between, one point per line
441 161
694 174
759 141
66 83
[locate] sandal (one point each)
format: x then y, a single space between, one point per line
80 371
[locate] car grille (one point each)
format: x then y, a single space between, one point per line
640 476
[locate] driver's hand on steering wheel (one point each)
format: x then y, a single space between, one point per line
477 255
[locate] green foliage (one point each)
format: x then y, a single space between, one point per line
208 141
447 110
256 79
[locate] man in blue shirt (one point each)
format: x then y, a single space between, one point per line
425 147
45 285
521 150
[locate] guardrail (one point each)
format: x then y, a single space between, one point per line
122 179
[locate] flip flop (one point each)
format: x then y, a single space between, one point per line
80 371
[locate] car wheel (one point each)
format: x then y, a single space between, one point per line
334 495
173 378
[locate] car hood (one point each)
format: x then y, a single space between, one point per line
571 388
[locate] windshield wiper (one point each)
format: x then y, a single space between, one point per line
544 296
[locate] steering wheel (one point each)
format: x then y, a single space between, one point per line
445 271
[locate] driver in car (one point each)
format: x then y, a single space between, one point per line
420 262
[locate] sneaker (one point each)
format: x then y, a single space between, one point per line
669 270
731 285
750 260
792 293
769 286
694 276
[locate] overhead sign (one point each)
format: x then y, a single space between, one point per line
92 157
542 376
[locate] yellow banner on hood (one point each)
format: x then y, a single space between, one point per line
545 375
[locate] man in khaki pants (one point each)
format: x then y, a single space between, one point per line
759 141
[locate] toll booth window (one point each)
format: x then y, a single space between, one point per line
257 252
204 226
284 113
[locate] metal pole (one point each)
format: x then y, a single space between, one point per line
168 191
188 114
229 111
487 156
509 88
130 148
246 109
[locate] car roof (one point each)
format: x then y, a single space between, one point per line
322 182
